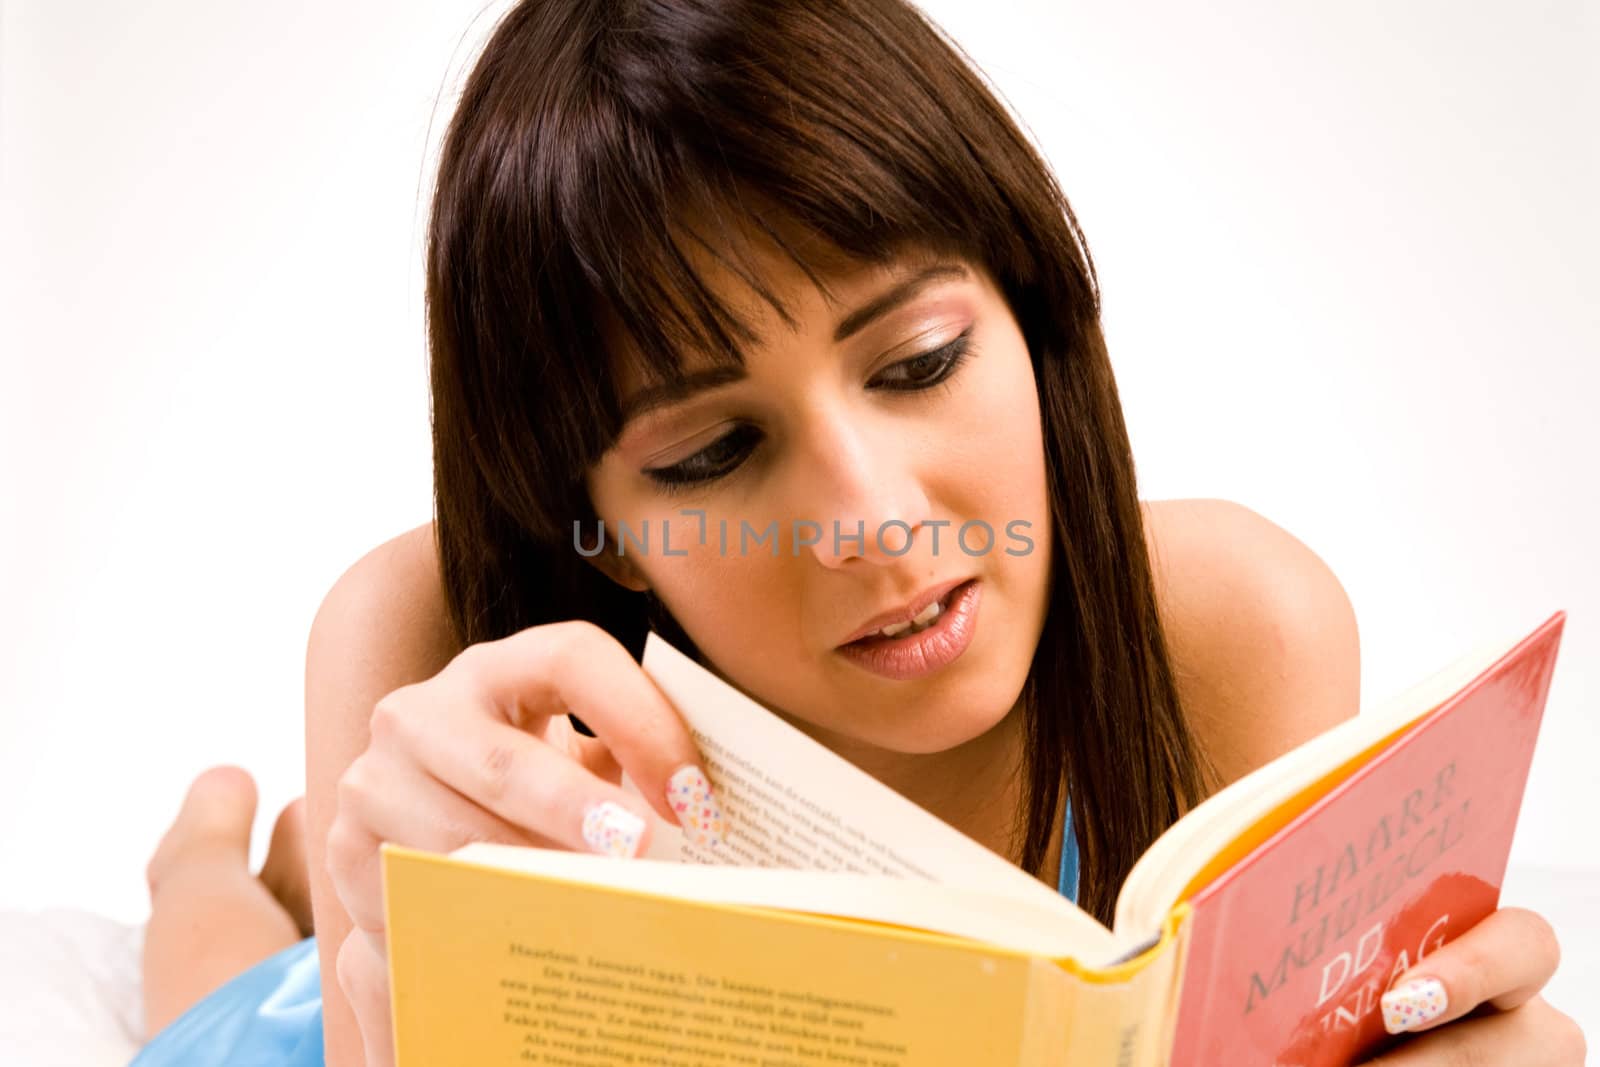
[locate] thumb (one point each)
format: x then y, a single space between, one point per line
1503 961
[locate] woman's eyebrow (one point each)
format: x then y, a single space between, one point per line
881 305
680 388
685 386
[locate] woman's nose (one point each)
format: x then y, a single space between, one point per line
865 498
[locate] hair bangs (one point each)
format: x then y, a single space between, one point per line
703 137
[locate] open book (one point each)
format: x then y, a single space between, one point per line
841 924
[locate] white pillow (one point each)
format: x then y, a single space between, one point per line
71 989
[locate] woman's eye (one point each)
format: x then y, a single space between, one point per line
928 369
713 461
724 455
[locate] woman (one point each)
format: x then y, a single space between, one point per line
707 265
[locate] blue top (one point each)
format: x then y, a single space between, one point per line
1067 876
271 1015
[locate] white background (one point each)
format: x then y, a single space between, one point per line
1348 252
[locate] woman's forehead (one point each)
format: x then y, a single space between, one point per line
772 296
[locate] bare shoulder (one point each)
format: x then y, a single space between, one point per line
394 597
1262 635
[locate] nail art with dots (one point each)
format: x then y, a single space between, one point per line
689 794
1408 1006
612 830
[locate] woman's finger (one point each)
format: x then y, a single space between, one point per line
420 812
364 976
526 782
1502 961
351 857
390 800
1533 1035
576 667
495 762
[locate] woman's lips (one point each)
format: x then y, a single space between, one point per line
917 655
939 593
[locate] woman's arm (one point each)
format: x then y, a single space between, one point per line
382 625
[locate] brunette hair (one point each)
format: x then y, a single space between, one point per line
586 134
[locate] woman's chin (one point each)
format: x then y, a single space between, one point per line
946 722
912 718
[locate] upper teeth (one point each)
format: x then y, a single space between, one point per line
920 619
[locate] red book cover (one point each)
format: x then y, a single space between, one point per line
1291 947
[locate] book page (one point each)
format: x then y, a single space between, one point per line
791 802
1002 922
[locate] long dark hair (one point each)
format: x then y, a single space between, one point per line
586 134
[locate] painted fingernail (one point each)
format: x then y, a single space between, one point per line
689 794
612 829
1413 1004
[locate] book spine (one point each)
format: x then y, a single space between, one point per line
1122 1016
1170 996
1048 1014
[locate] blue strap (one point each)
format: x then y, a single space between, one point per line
1067 876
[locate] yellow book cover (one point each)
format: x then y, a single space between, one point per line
841 924
492 966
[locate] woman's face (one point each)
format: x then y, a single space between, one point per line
888 418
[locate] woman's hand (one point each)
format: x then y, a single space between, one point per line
483 751
1477 999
